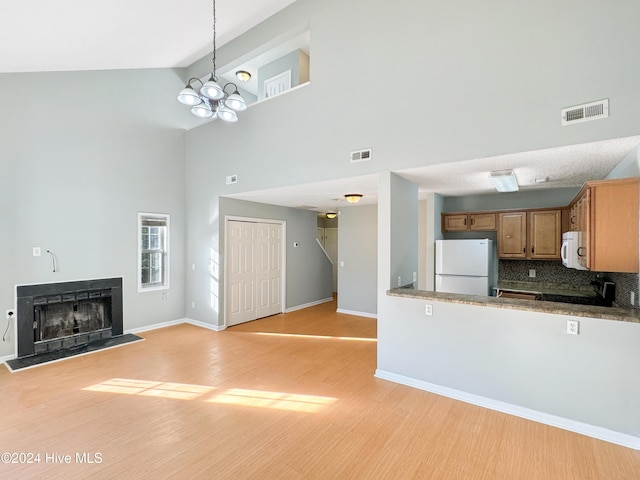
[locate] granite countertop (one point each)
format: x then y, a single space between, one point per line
606 313
563 289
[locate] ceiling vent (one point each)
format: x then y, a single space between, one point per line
361 155
585 112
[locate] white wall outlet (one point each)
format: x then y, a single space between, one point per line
573 327
633 298
532 273
11 313
399 281
415 276
37 251
342 263
193 304
231 179
193 266
428 309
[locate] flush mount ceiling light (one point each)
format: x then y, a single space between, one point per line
331 215
353 197
243 75
504 181
211 100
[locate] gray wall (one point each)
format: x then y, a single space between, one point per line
308 271
78 161
358 247
404 231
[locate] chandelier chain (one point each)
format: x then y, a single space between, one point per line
214 38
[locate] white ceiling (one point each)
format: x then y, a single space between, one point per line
67 35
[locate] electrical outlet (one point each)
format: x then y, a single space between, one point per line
37 251
415 276
573 327
633 298
532 273
399 281
11 313
428 309
193 304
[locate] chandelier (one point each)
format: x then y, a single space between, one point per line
211 100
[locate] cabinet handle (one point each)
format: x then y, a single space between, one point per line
524 249
573 219
465 222
532 249
581 248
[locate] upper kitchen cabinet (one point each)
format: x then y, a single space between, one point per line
533 235
463 222
606 215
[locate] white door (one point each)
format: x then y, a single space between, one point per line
320 235
241 274
331 247
270 271
254 271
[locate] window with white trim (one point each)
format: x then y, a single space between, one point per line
153 251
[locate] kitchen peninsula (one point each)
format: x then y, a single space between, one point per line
591 311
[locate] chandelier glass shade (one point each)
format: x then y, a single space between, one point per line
208 99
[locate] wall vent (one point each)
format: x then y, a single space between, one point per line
231 179
361 155
585 112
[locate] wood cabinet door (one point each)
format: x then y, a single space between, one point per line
454 223
482 221
545 237
512 235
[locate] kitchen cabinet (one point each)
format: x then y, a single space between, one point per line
463 222
533 235
605 213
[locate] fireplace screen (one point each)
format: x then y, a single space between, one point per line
57 320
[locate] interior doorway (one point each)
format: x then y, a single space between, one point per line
254 269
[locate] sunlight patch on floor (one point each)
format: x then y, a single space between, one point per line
275 400
234 396
179 391
321 337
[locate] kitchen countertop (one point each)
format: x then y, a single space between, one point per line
606 313
548 288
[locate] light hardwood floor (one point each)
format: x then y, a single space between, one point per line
288 397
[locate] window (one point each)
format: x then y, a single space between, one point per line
153 252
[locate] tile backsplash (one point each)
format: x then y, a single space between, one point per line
555 272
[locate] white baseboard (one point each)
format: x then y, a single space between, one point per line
208 326
155 326
307 305
7 357
593 431
359 314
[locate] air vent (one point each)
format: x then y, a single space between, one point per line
585 112
231 179
361 155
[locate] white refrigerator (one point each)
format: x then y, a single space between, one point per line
465 266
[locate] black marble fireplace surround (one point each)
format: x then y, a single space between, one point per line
67 315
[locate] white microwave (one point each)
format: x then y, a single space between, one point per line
570 250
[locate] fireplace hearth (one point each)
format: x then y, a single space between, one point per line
61 316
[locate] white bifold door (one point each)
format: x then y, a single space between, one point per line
254 270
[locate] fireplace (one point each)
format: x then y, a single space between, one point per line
67 315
